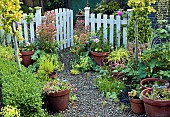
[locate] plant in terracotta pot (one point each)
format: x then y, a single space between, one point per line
100 47
149 83
27 50
136 103
57 93
157 101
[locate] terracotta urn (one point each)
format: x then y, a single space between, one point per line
58 101
151 80
26 57
155 108
137 106
99 57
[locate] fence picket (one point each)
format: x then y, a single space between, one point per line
64 22
98 21
111 29
92 23
105 26
71 27
32 37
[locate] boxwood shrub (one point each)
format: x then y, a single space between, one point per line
21 89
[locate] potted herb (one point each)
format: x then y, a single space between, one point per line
27 50
157 101
117 70
136 103
100 47
57 93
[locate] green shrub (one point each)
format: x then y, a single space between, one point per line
6 52
21 89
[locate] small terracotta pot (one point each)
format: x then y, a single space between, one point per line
26 57
146 80
99 57
118 75
58 101
155 108
53 75
137 106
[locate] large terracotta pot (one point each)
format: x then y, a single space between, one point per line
99 57
155 108
137 106
26 57
151 80
58 101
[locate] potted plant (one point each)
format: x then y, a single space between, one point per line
46 33
57 93
136 103
49 65
27 50
148 83
100 47
157 101
117 70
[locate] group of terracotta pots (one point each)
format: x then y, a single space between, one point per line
152 108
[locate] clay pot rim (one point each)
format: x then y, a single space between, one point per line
27 52
153 102
59 93
139 101
151 79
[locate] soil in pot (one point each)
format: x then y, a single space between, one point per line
147 83
58 101
137 106
155 108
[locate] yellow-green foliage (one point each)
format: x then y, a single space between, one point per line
118 55
7 53
10 12
10 111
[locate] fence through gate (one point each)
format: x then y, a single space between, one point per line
114 28
64 26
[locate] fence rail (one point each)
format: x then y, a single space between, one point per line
116 26
64 26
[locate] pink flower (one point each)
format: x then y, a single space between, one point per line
120 13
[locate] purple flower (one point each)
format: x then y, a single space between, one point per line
96 40
120 13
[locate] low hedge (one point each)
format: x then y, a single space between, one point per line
21 89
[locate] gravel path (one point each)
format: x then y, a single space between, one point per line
90 100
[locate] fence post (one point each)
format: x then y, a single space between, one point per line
87 12
38 16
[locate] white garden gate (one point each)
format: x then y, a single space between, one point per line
64 26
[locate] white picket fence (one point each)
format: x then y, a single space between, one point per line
64 26
108 24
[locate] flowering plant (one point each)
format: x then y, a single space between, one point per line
98 43
159 93
47 32
134 94
27 46
55 86
118 67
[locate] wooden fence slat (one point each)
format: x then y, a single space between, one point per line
92 23
118 30
64 22
98 21
105 26
61 26
32 37
111 29
71 27
25 28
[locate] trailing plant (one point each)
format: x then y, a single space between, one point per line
140 12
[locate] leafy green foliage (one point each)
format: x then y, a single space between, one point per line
155 62
7 53
21 89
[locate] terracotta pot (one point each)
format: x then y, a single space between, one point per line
155 108
146 80
137 106
53 75
58 101
99 57
118 75
26 57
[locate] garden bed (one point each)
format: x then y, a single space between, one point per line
90 102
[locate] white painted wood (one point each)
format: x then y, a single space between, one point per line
87 14
38 17
68 29
111 30
92 23
57 24
105 26
98 21
64 24
32 37
61 26
118 30
71 28
25 29
125 34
